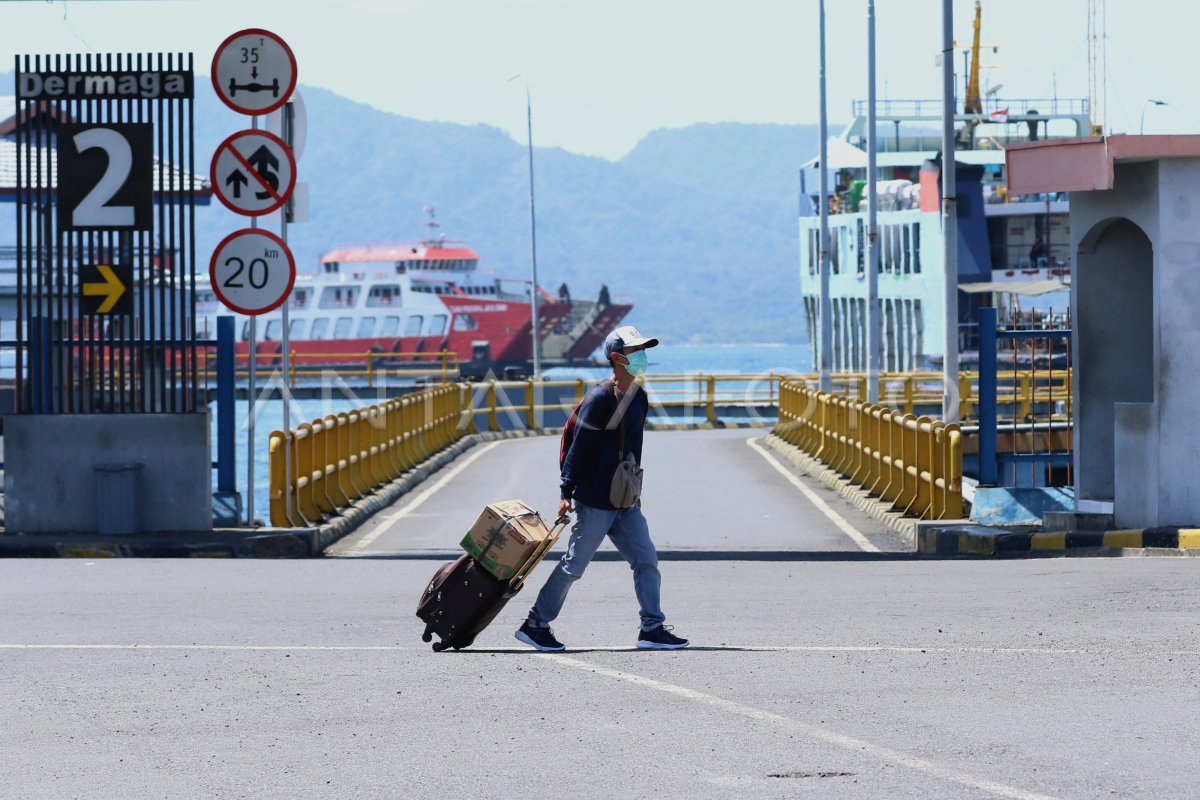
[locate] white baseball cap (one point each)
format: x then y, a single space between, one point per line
626 336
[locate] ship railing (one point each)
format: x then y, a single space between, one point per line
372 368
1017 107
913 462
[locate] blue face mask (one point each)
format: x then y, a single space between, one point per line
637 363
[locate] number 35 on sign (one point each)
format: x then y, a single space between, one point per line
252 271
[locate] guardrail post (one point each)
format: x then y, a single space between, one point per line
710 403
493 422
988 467
530 408
370 370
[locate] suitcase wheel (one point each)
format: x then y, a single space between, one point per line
427 635
440 646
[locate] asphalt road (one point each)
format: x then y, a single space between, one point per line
897 679
703 491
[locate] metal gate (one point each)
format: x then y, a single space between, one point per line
106 249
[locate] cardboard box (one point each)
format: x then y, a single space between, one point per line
505 536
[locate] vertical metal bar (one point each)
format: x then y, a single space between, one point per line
252 390
54 261
188 268
167 279
987 396
285 128
226 412
22 204
36 253
873 328
139 275
825 312
949 220
158 299
68 241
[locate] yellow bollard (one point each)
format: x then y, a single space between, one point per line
710 402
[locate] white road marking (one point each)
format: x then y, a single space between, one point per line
386 521
617 648
845 527
806 729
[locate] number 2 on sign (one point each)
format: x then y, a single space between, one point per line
241 266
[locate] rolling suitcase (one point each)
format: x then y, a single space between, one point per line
463 598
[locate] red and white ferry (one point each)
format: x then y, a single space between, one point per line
407 303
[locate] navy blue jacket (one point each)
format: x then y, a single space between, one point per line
592 458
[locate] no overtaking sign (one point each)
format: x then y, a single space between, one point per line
253 172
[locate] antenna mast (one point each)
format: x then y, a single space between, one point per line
1097 66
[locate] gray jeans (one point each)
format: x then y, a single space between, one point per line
627 529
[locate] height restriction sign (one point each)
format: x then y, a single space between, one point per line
252 271
253 172
254 71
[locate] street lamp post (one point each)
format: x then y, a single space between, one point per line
535 332
1149 101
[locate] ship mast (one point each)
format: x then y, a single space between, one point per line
972 104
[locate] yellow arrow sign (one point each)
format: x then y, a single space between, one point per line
111 289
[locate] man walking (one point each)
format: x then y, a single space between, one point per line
613 410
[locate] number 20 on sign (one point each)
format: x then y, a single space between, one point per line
252 271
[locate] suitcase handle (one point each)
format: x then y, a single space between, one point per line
518 580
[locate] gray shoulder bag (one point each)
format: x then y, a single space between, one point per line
627 480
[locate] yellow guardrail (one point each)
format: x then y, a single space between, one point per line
324 465
915 463
1022 390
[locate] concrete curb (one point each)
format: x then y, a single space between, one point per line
905 527
977 540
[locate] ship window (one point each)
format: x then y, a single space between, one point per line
341 328
916 247
412 325
437 325
366 327
320 326
862 263
274 328
465 322
907 249
338 296
296 329
331 266
813 236
300 298
889 262
246 331
205 297
896 252
391 326
834 254
385 295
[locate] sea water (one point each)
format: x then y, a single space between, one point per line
749 359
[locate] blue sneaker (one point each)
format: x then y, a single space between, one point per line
539 638
660 638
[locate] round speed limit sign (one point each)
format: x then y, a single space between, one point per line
252 271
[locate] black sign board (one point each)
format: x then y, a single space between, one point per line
106 290
106 176
105 85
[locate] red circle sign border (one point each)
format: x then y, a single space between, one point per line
217 186
286 49
212 271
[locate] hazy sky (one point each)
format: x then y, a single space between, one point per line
603 73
